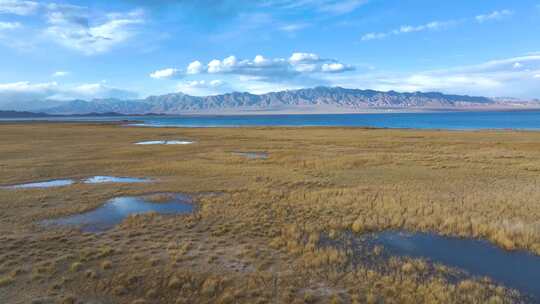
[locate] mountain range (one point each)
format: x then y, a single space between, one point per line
318 100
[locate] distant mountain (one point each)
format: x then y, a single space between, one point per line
30 105
319 99
101 106
18 114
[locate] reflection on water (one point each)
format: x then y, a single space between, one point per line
67 182
253 155
113 179
165 142
115 210
45 184
460 120
515 269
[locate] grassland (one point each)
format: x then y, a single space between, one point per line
256 240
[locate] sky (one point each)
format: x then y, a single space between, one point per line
80 49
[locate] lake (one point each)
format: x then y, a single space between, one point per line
523 120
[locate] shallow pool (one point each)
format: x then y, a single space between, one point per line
515 269
165 142
115 210
253 155
44 184
114 179
67 182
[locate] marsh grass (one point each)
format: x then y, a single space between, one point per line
258 240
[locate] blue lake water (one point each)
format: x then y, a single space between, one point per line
525 120
114 211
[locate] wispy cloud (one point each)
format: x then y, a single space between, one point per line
404 29
25 91
60 74
73 28
293 27
18 7
77 27
9 25
203 87
90 91
341 7
435 25
335 7
495 15
516 76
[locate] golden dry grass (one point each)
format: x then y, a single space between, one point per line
257 241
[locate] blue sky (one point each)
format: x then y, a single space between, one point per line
58 50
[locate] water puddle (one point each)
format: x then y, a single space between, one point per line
68 182
113 179
253 155
44 184
515 269
165 142
116 210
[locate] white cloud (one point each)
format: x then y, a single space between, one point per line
429 26
492 78
271 69
74 28
531 60
333 7
341 7
194 68
335 67
297 58
495 15
434 82
259 74
9 25
24 91
203 87
404 29
18 7
77 27
294 27
60 74
204 84
90 91
374 36
517 65
169 73
434 25
261 61
226 65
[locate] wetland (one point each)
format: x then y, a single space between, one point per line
335 215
